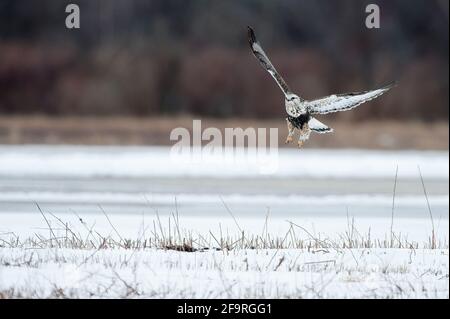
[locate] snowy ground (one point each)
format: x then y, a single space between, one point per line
99 257
317 227
260 273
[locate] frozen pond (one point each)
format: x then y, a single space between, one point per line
320 188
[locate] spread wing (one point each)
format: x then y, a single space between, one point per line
265 62
344 102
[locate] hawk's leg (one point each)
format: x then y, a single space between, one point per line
304 134
291 131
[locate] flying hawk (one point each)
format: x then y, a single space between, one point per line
300 111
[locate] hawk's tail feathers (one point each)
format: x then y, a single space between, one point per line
318 127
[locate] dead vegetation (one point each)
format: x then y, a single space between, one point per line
169 235
156 131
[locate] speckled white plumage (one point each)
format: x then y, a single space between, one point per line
300 110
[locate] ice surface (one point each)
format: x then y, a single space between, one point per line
88 161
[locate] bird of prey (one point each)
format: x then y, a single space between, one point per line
299 110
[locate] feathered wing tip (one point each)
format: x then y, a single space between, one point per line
389 86
383 89
251 35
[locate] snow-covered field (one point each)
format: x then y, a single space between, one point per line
98 256
111 222
259 273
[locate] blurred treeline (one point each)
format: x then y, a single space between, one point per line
146 58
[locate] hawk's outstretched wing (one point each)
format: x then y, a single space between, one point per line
344 102
265 62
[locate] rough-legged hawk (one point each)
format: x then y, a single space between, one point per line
300 111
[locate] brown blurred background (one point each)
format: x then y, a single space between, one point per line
137 69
